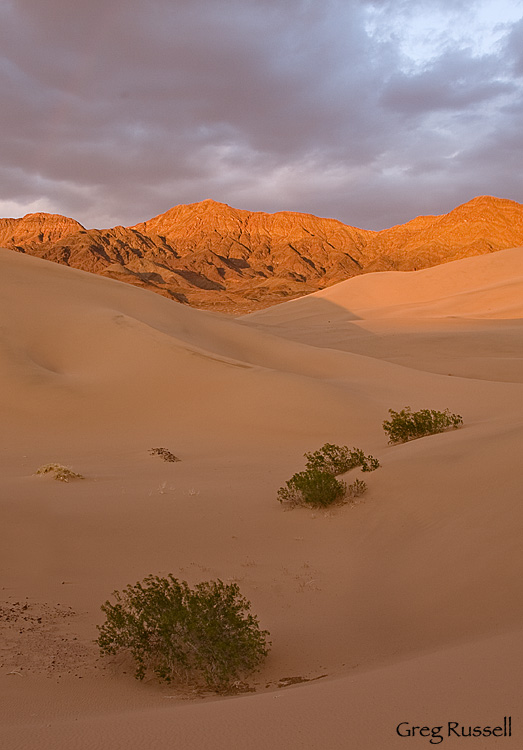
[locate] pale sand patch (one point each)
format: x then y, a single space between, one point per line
409 602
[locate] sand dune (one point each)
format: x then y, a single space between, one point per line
405 607
463 319
488 286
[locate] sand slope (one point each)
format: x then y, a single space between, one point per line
465 319
404 607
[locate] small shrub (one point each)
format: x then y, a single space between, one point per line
190 635
408 425
60 473
164 453
338 459
318 486
312 487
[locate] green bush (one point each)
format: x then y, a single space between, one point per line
408 425
317 485
338 459
200 635
312 487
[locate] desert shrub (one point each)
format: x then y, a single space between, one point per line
312 487
164 453
317 485
60 473
201 635
408 425
338 459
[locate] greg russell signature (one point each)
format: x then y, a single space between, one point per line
437 734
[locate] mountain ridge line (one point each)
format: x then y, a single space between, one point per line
212 256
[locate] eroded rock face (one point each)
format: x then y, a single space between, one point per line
213 256
35 229
483 225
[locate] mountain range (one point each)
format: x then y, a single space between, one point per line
212 256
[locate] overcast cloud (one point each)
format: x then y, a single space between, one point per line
371 112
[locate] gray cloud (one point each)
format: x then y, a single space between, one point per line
515 47
456 81
114 111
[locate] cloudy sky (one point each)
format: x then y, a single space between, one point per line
113 111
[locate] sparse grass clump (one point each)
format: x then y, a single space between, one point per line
60 473
205 635
407 425
164 453
356 489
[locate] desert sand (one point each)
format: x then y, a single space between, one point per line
404 607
